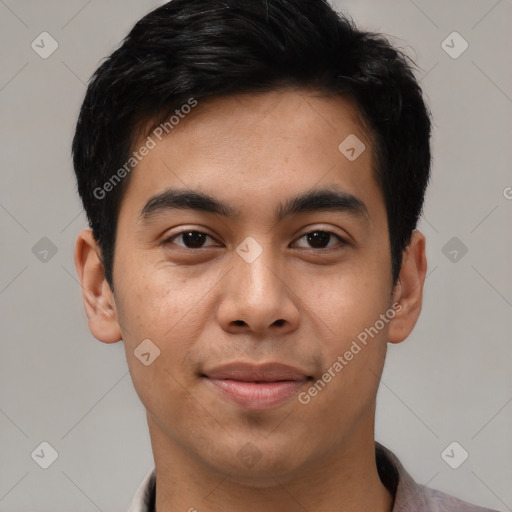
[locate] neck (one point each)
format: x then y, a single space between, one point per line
345 479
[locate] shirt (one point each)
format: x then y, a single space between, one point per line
409 495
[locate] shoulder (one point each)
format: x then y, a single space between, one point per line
409 495
144 499
438 501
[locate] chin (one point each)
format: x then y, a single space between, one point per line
259 464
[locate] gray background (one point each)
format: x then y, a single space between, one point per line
450 381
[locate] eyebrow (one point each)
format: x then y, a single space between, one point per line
324 199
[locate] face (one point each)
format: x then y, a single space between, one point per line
279 291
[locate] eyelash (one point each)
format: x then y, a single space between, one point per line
341 240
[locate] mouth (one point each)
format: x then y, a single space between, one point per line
257 387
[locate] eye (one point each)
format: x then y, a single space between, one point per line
191 239
319 239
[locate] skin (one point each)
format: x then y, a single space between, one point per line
210 307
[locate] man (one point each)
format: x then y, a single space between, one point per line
253 173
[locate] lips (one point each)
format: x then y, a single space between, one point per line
256 387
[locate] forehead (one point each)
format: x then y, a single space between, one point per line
256 149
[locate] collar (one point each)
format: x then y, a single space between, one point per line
409 496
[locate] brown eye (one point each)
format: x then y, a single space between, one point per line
319 239
191 239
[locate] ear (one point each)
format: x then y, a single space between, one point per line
98 299
408 292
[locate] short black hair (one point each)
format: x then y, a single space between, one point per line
196 49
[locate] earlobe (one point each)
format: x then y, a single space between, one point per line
408 292
98 299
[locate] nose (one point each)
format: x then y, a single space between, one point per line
258 297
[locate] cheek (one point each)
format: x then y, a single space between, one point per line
350 305
158 317
353 350
350 301
152 315
157 303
